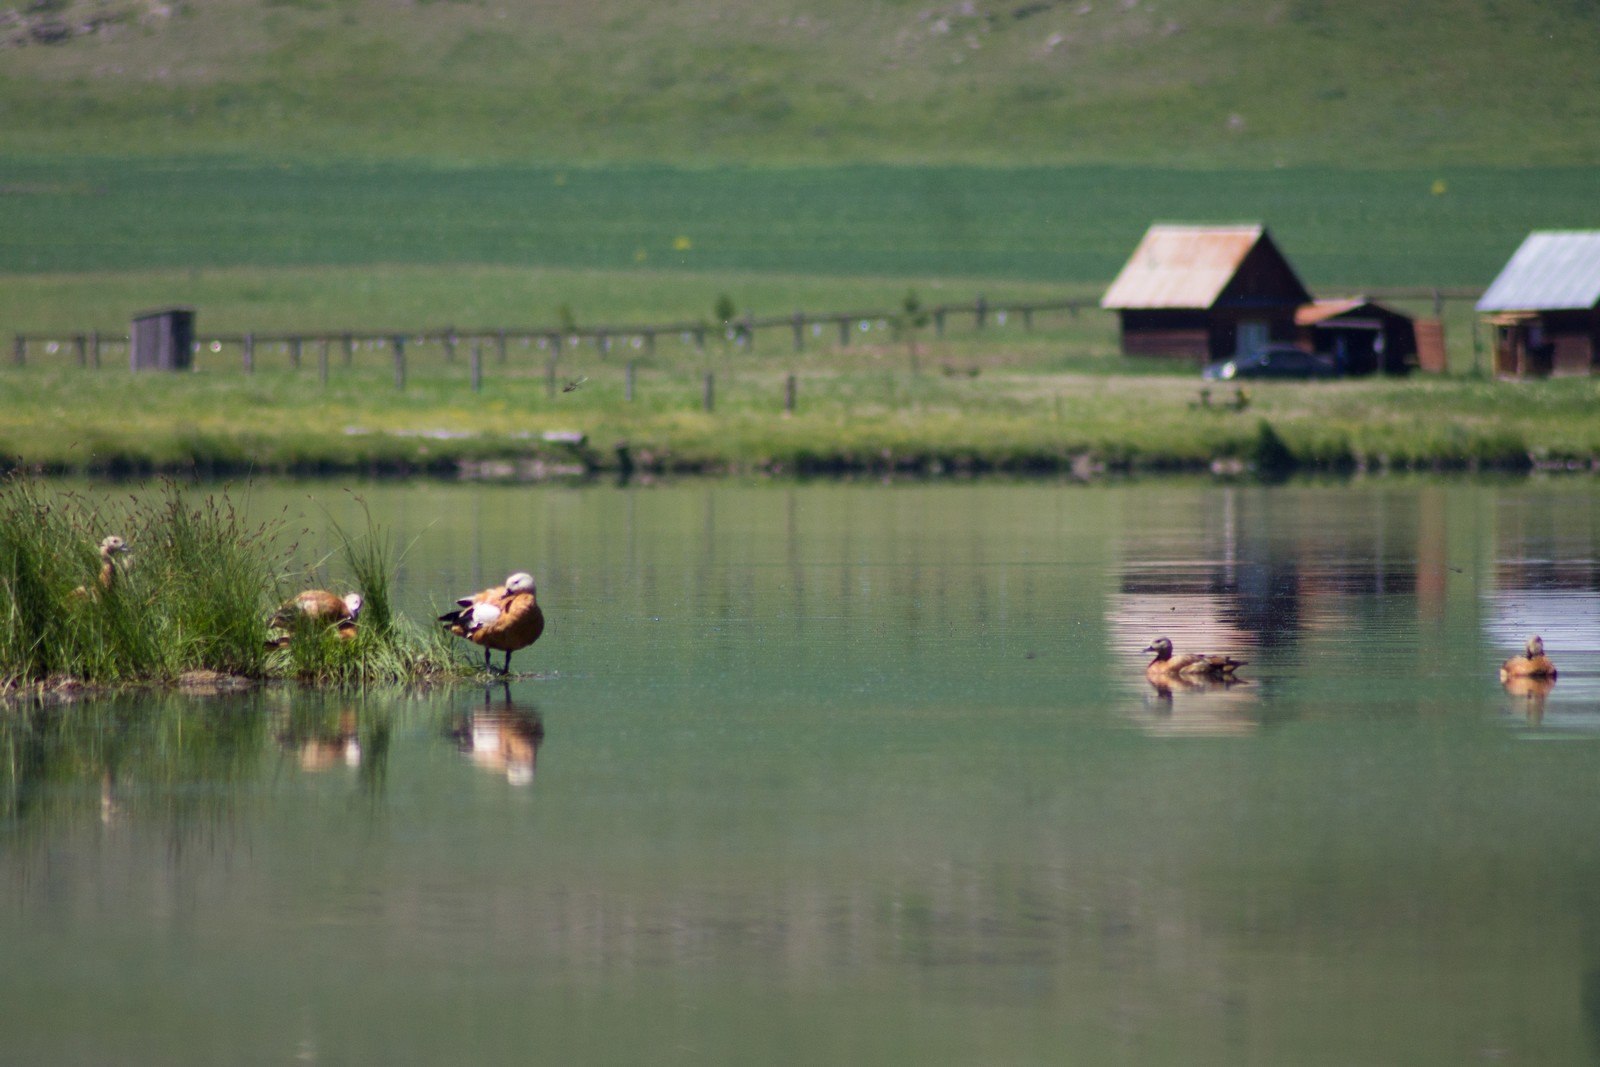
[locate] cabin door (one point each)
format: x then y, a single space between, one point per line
1251 335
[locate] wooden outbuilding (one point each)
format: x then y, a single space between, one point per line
162 339
1362 336
1205 293
1544 306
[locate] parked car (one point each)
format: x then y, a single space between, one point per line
1272 361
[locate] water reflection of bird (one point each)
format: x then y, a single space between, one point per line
1166 666
502 738
315 608
1532 664
505 617
110 548
1531 690
321 743
1196 705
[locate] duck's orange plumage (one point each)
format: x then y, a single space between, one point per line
504 618
1167 666
1532 664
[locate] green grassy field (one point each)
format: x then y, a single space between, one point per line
1252 84
1344 229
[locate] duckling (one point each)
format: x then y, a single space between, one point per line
1166 666
315 608
1534 664
505 617
110 548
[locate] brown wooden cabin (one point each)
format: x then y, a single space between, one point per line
1544 306
1205 293
1362 336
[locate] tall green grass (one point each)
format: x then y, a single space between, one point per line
193 595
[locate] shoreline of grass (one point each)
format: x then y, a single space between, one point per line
188 604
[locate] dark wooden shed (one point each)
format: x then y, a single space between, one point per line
162 339
1205 293
1362 336
1544 306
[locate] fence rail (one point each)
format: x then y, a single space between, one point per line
89 348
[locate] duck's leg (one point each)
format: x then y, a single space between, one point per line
486 664
508 662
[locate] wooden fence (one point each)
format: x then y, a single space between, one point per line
92 349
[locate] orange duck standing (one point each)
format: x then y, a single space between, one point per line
505 617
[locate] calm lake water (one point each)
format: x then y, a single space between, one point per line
861 773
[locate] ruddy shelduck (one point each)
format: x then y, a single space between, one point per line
1167 666
110 548
505 617
1532 664
316 608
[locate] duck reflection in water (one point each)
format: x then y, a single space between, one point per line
1178 706
1528 693
321 740
502 737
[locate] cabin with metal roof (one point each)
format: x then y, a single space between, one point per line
1544 306
1361 336
1205 293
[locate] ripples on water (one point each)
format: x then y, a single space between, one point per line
862 773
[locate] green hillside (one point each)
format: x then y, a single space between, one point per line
1258 83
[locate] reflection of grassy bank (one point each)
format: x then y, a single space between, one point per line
1016 408
189 602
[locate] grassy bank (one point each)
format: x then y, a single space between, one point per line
1012 407
189 603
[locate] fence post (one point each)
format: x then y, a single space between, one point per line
500 347
844 332
322 361
938 322
249 353
627 382
650 343
400 363
799 326
1027 317
294 352
602 344
19 352
789 389
94 349
449 344
81 345
709 399
749 327
1438 304
476 358
349 349
700 338
981 311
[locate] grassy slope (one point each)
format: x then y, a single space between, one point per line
1188 82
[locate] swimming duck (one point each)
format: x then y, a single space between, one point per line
1166 666
505 617
1534 664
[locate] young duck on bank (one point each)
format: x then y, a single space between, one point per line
1166 666
110 548
505 617
1533 664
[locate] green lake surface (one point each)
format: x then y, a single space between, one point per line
859 773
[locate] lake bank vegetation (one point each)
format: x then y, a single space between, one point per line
183 597
1023 406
